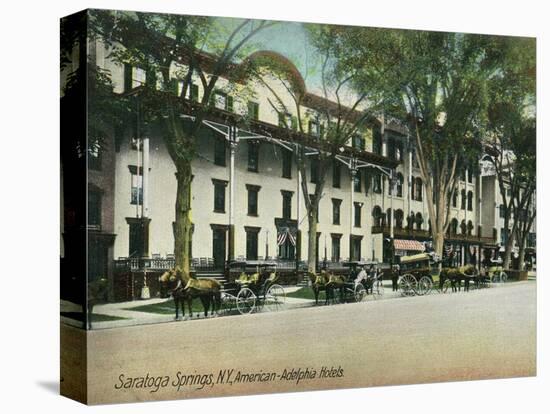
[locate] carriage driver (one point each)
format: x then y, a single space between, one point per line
361 276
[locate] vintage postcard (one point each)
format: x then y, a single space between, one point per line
254 206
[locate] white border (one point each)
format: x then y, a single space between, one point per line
29 207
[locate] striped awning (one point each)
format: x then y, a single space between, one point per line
408 245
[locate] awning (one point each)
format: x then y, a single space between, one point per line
415 245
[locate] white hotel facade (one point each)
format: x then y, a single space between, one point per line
251 184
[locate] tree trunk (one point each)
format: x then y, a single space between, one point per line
521 258
182 224
509 245
439 241
312 240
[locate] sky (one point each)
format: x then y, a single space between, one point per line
290 39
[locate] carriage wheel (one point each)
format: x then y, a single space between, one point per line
424 285
246 301
407 285
446 285
378 289
227 301
503 277
275 298
359 293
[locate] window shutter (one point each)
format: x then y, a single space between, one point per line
151 78
294 123
194 93
229 103
174 86
127 77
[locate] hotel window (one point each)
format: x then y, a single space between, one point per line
335 251
94 155
252 199
415 159
399 218
219 151
133 77
287 163
252 242
193 92
470 176
94 208
336 210
463 199
357 182
219 195
223 101
455 198
418 189
336 174
399 185
470 200
501 211
314 129
377 183
253 156
286 120
358 142
399 151
253 110
137 187
377 140
287 204
357 214
356 247
377 216
314 170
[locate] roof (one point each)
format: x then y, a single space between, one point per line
408 245
415 258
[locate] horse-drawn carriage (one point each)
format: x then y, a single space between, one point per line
420 274
494 272
364 277
255 288
350 282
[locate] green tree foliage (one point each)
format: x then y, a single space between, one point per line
511 138
438 82
174 49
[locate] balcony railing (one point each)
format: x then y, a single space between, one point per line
401 232
424 234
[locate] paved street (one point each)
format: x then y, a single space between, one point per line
489 333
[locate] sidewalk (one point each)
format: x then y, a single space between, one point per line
128 317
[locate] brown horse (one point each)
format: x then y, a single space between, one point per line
326 282
458 274
185 288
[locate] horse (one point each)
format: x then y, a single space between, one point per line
457 275
185 288
327 282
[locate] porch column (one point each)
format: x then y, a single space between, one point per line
298 211
231 235
409 188
479 204
382 134
353 173
145 183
